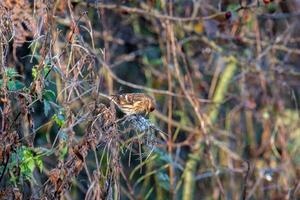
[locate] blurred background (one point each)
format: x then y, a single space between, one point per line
225 75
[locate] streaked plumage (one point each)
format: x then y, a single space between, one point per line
134 103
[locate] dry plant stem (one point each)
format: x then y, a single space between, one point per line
250 41
156 91
202 131
131 191
244 193
214 81
170 139
219 95
154 13
106 53
221 89
256 185
196 106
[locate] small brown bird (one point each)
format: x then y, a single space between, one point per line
134 103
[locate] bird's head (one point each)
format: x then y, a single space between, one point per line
151 105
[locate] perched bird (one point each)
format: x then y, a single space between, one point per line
134 103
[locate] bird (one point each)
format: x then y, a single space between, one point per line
134 103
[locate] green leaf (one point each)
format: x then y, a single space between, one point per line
11 72
11 85
59 119
272 7
47 107
27 161
19 85
47 69
30 165
49 95
14 85
34 73
39 163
